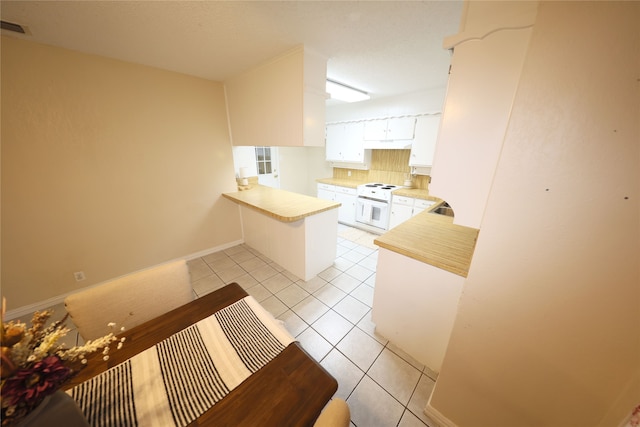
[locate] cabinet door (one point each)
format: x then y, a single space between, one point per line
420 205
375 130
401 128
353 147
334 140
345 142
401 210
424 144
326 192
347 211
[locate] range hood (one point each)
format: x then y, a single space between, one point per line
401 144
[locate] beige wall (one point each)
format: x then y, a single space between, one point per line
547 332
107 167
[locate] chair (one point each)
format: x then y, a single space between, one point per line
130 300
335 414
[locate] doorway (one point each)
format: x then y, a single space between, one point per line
267 166
260 162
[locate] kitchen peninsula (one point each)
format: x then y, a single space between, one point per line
422 266
296 231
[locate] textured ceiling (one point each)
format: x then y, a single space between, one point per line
383 47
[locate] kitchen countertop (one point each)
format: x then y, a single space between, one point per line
433 239
416 193
351 183
430 238
282 205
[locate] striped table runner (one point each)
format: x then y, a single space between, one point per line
181 377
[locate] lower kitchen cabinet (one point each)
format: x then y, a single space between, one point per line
403 208
326 192
347 211
420 205
344 195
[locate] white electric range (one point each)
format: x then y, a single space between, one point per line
373 205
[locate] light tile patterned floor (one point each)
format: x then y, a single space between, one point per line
330 315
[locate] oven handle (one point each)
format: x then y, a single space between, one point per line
374 202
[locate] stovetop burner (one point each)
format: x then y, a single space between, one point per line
377 191
383 186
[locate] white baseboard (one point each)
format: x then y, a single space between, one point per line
212 250
38 306
436 416
44 304
439 420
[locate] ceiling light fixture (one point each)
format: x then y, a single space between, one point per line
345 93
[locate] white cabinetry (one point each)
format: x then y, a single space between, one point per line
403 208
420 205
391 129
424 143
326 192
347 211
344 144
376 130
335 134
279 103
344 195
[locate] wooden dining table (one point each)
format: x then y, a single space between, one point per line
290 390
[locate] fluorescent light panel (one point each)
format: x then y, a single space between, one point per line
345 93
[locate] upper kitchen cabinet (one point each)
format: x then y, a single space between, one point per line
424 143
390 129
392 132
376 130
485 73
279 103
344 144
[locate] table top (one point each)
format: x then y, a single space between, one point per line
292 389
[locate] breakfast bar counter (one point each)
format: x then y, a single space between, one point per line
433 239
298 232
281 205
421 271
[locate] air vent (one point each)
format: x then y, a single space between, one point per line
16 28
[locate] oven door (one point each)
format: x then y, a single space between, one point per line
372 212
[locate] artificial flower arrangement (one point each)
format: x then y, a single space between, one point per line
35 364
635 417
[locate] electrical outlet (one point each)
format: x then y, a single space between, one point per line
348 173
79 275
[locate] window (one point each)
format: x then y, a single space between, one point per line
263 160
